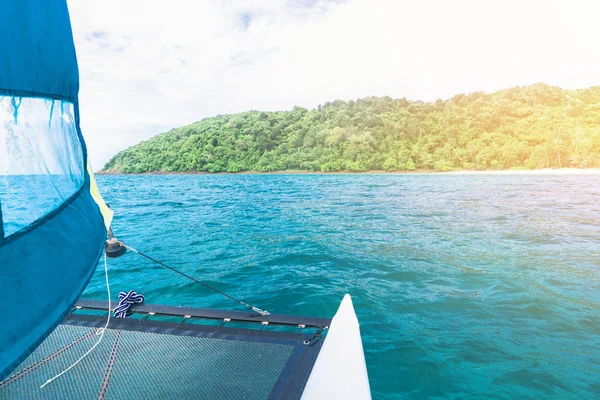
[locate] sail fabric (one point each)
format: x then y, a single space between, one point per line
107 213
51 229
37 52
41 159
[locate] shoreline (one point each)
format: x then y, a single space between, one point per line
545 171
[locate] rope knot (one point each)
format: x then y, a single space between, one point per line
125 302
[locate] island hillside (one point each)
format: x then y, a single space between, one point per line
530 127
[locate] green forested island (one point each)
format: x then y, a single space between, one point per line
531 127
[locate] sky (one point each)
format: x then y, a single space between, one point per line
148 66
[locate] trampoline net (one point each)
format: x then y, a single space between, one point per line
154 360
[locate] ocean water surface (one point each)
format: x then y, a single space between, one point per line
466 286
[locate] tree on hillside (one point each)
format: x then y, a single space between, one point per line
538 126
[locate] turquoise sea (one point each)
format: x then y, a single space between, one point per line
466 286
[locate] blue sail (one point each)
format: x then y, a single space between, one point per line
51 229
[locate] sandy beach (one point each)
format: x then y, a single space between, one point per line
545 171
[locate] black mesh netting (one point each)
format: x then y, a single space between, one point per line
145 365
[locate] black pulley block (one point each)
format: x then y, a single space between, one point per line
114 248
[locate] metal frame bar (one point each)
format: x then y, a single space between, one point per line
195 330
210 313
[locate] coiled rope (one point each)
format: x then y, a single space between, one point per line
126 299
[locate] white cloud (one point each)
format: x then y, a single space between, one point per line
147 65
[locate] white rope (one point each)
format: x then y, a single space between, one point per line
100 331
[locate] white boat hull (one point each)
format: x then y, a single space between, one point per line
340 371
